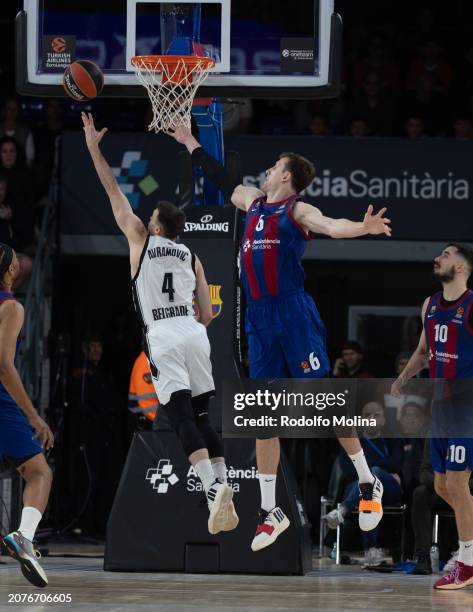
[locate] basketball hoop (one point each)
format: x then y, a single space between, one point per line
171 82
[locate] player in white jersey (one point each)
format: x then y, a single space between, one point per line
165 277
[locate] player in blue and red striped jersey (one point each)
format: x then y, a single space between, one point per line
23 433
286 336
447 339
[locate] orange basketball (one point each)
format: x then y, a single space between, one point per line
83 80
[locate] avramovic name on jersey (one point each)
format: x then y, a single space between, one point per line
167 252
169 312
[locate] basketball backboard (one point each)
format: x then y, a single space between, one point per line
262 49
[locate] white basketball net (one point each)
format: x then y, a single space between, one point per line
171 87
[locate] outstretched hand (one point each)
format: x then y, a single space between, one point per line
181 133
92 136
377 224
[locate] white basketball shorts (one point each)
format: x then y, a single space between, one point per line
180 351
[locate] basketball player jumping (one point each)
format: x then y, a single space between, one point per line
23 433
284 329
165 275
447 339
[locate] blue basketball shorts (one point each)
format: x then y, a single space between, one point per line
286 338
451 454
16 434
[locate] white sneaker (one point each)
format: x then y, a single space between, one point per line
334 518
219 498
270 525
373 556
370 508
451 562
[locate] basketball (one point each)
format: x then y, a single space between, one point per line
83 80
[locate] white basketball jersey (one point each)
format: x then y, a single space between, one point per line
163 287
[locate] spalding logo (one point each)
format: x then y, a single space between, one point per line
205 225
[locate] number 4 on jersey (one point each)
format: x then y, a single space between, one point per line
168 286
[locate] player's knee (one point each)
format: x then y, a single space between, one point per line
37 469
180 415
213 442
455 485
441 489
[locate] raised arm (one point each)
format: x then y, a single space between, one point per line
11 322
311 219
202 294
415 363
240 195
127 221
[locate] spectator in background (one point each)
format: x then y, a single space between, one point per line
350 363
318 126
237 116
430 63
11 126
414 424
45 136
12 166
358 128
463 128
16 230
384 457
95 422
433 107
377 61
375 106
414 127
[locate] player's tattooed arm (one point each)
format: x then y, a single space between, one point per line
127 221
312 219
415 363
202 294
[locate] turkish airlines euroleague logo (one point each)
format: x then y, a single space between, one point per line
58 44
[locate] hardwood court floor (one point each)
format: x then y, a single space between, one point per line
328 588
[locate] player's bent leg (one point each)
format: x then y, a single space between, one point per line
181 416
370 509
200 407
38 478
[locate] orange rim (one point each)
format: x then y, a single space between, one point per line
179 68
190 61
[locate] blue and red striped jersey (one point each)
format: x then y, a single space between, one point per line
449 337
272 249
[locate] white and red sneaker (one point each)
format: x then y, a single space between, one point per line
460 577
270 525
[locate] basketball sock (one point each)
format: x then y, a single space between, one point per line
30 518
465 554
220 470
361 467
205 473
267 483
